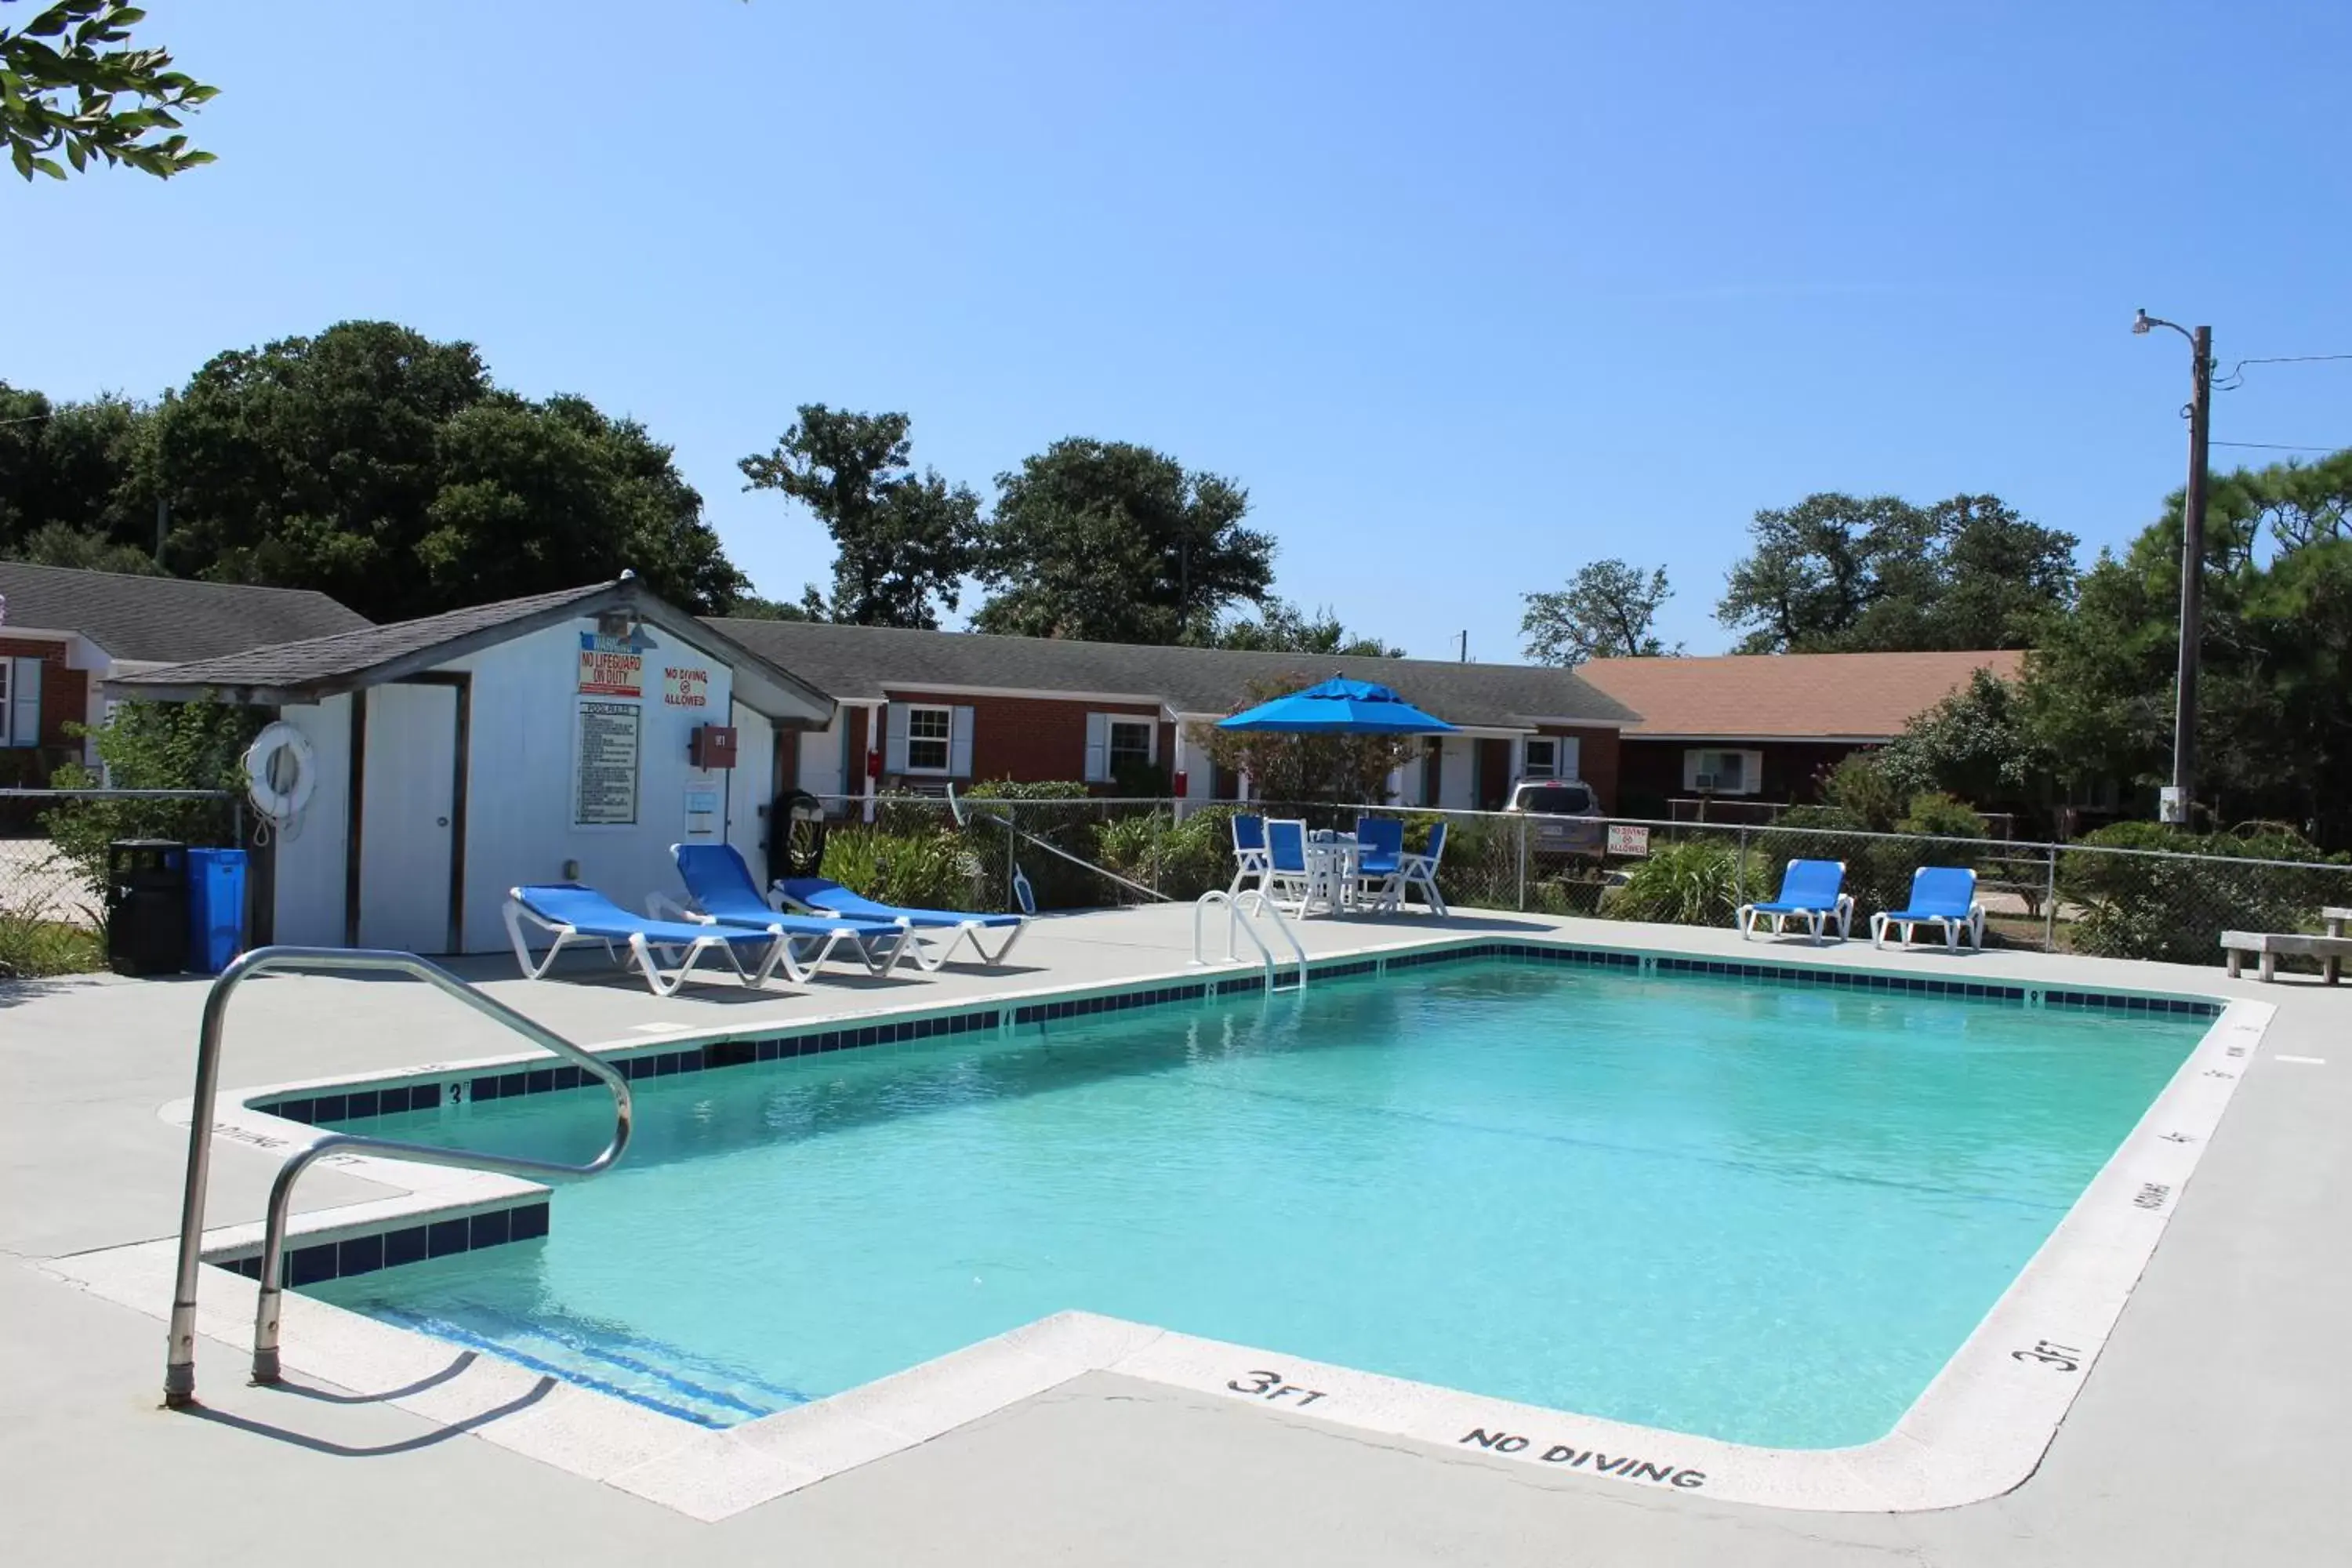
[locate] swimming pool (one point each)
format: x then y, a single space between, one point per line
1763 1214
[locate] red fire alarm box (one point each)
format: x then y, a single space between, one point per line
712 746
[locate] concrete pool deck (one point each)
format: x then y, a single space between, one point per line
2207 1431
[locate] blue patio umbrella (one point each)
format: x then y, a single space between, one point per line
1339 707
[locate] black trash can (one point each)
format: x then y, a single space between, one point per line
146 906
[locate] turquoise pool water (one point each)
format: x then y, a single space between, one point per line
1763 1214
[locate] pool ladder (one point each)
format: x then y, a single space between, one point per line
1244 911
180 1365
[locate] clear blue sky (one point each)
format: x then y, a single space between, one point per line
1465 294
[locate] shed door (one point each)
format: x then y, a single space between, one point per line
408 803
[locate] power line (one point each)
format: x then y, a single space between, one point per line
2279 447
2236 377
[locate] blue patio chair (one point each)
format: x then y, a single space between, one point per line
1421 871
1811 890
818 895
723 893
1249 851
1944 897
1287 876
571 913
1380 860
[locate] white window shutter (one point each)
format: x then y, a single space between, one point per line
960 742
1567 757
1097 747
24 703
894 746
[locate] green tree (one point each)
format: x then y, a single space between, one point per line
1979 743
2275 696
57 545
1115 543
73 469
376 465
1280 626
902 541
1607 611
61 74
1838 574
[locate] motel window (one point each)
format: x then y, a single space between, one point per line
927 739
1543 758
20 701
1723 772
1131 743
1115 741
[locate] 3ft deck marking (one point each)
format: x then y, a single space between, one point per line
1272 1385
2065 1358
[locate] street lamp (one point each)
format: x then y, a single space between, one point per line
2175 806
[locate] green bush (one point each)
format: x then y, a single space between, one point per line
1182 860
2166 907
933 869
1693 883
31 947
154 745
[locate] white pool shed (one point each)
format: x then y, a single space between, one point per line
567 736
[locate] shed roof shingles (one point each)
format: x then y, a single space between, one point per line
351 653
166 619
1793 696
856 663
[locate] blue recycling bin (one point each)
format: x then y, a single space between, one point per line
216 909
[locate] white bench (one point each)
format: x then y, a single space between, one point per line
2331 950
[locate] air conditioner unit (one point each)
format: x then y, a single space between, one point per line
1708 781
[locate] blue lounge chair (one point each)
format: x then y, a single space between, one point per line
1421 871
1944 897
1249 851
1380 859
570 913
819 895
1811 890
723 893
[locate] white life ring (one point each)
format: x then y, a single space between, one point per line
282 769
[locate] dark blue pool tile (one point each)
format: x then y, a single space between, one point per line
529 1221
539 1080
360 1255
491 1229
310 1265
423 1097
403 1246
443 1237
666 1065
482 1089
694 1060
394 1100
513 1083
567 1078
249 1266
328 1108
361 1102
292 1109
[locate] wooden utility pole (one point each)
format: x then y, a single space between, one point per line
2192 578
2177 807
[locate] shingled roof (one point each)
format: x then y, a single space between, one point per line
318 668
165 619
1789 696
857 663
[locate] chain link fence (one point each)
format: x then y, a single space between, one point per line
53 844
2054 898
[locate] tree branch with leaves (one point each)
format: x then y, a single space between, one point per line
61 76
1607 611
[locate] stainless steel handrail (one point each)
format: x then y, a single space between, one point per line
180 1364
1235 920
